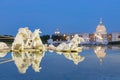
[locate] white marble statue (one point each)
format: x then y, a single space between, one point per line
72 45
37 43
26 39
3 46
20 39
51 48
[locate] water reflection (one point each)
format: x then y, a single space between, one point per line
100 52
73 56
26 59
3 53
23 60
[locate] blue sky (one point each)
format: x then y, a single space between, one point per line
70 16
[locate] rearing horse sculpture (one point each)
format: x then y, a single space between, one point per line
73 45
25 39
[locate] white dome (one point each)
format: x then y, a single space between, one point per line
101 28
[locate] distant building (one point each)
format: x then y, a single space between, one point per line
57 32
50 41
116 36
101 33
86 37
109 37
100 36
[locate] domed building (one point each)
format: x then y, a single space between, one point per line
100 53
101 28
101 33
57 32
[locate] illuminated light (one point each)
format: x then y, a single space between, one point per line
100 34
101 28
100 53
57 31
64 35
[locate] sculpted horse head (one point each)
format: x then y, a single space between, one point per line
37 42
37 31
20 38
77 40
24 33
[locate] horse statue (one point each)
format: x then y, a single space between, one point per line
37 42
3 46
25 39
20 39
72 45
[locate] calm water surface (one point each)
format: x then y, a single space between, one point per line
99 63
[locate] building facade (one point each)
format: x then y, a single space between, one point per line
100 36
101 33
116 36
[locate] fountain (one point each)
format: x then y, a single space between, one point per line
24 60
3 46
71 46
25 39
4 49
51 48
73 56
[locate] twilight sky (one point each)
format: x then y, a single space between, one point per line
70 16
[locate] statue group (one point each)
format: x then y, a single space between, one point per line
25 39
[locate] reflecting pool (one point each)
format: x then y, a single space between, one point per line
91 63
